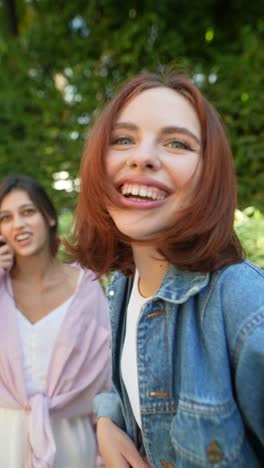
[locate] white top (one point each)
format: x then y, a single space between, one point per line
74 438
129 352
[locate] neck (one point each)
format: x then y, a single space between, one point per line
151 266
34 268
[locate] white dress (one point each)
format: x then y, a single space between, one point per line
74 438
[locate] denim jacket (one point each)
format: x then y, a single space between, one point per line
200 355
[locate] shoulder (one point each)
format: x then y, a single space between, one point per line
238 294
75 272
90 296
244 270
242 283
83 281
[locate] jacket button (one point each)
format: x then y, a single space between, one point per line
166 464
111 293
214 452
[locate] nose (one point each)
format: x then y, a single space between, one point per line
18 221
144 156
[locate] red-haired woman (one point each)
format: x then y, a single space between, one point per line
157 204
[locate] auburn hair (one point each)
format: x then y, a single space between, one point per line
203 237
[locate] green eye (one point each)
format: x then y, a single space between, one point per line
177 144
122 141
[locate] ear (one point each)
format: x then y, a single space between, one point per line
52 222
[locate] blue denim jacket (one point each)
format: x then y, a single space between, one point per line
200 353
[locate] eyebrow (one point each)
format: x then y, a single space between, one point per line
20 207
184 130
164 131
125 125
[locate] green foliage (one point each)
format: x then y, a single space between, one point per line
68 58
249 225
65 228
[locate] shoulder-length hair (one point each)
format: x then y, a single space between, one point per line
39 197
202 238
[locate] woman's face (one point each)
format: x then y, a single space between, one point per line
154 162
23 225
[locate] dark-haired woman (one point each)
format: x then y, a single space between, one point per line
157 203
54 339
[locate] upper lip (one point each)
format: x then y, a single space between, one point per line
148 181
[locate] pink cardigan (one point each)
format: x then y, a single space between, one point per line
79 367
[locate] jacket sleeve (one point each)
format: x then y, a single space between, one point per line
107 404
249 373
244 318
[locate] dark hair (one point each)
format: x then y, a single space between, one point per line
38 196
203 238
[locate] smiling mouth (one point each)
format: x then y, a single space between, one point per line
142 192
22 237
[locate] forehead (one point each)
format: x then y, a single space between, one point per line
162 107
15 199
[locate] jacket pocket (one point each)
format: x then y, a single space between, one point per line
208 435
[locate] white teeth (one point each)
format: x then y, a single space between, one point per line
149 192
22 237
134 190
143 191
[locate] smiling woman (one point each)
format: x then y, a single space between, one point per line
186 136
157 204
157 169
46 308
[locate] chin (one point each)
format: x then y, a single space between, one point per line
138 232
140 236
26 252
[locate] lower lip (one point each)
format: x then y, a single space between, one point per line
140 204
24 243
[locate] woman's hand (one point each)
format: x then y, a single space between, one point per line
116 447
6 255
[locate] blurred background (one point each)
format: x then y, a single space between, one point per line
61 60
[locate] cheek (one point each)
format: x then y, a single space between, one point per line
5 230
113 163
39 225
109 163
186 172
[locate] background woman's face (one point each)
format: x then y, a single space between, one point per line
153 161
22 224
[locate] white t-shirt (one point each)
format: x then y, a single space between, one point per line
129 352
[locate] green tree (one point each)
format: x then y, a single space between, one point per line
60 62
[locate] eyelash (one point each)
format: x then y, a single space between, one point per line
4 218
118 140
126 141
27 212
182 145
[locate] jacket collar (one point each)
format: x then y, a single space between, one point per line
177 285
